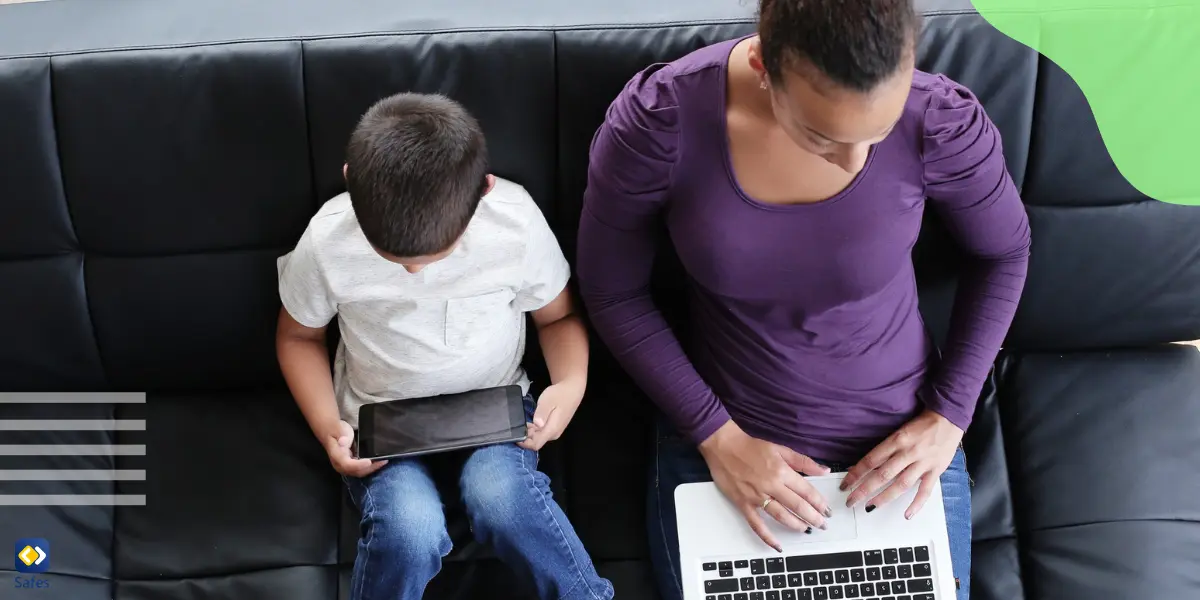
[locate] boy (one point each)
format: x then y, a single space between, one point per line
429 263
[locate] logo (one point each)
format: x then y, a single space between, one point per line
32 555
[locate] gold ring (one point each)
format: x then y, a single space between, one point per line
766 502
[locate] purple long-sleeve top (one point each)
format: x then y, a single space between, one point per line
803 324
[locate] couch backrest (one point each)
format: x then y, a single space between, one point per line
157 157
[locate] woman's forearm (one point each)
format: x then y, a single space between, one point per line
984 307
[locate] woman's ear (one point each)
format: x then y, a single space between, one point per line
491 183
345 169
754 57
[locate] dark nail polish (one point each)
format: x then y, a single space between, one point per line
870 507
809 530
828 513
824 526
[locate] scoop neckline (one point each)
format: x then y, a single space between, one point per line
727 152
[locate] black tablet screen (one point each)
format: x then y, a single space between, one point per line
425 425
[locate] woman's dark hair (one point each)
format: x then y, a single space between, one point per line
416 168
856 44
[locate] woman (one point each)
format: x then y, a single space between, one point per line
791 169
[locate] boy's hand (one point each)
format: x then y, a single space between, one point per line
555 408
338 448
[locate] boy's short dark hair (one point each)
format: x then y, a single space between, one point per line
856 44
416 168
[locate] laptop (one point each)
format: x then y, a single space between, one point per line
860 556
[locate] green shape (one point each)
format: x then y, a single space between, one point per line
1138 64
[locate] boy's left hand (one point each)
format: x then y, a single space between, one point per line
555 409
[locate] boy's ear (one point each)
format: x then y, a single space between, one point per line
345 169
491 183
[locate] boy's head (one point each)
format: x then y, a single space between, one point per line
416 168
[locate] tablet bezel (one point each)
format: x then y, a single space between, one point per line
364 438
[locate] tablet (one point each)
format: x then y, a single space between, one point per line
417 426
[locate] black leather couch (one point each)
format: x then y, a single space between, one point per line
157 156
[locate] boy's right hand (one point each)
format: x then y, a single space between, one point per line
338 445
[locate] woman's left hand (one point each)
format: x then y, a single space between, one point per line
917 453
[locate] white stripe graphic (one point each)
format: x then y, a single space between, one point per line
63 398
73 500
106 423
72 474
72 424
72 449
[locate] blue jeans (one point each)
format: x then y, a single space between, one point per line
677 462
403 536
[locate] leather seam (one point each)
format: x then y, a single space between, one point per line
179 577
172 254
87 296
551 29
1037 530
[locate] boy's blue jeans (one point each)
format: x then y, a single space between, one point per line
403 534
677 462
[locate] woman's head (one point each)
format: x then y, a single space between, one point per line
838 71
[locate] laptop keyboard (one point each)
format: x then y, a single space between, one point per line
884 574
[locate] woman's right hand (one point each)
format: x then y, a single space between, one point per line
749 471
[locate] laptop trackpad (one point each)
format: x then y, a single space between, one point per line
710 524
842 526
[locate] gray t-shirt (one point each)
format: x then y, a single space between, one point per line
456 325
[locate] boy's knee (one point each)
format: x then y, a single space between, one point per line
498 486
412 531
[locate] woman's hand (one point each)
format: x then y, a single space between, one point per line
917 453
750 471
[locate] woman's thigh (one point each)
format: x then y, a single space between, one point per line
676 461
956 500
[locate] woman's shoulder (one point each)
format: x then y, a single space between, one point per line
942 103
956 135
712 59
948 115
656 92
633 154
